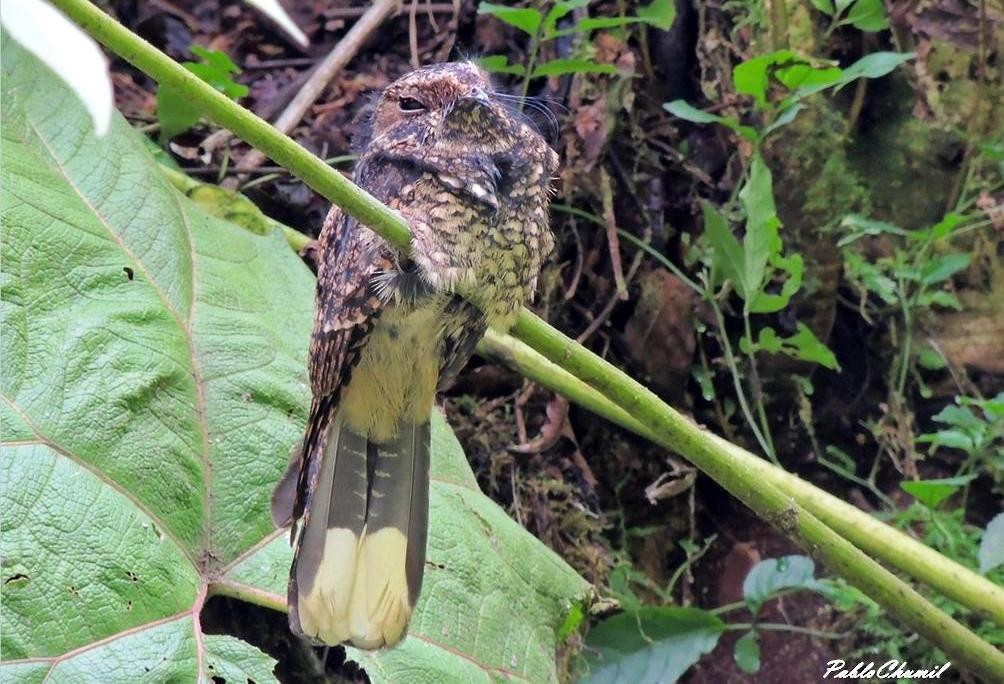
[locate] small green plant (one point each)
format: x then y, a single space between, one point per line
648 644
943 528
751 268
542 26
175 113
865 15
975 427
778 83
763 277
912 278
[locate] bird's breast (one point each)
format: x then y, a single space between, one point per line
395 378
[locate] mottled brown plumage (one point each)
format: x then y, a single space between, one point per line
472 180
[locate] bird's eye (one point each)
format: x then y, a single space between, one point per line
410 104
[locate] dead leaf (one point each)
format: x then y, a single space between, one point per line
552 429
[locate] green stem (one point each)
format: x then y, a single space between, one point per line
899 550
713 455
636 241
758 388
866 483
738 605
730 361
652 252
248 594
729 607
531 63
184 183
685 566
905 352
781 627
718 459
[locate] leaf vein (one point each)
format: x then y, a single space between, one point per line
66 453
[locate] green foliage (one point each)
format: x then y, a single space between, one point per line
991 552
746 652
231 660
865 15
659 643
651 645
752 267
755 262
945 530
688 112
746 265
912 278
768 577
778 83
175 112
932 492
794 78
153 386
526 19
803 345
499 64
542 26
131 335
975 427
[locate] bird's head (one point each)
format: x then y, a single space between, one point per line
441 105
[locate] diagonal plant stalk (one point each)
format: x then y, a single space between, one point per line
714 456
185 183
586 373
872 535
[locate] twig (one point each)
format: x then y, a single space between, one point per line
413 33
343 51
573 284
616 299
269 109
339 56
279 63
607 193
353 12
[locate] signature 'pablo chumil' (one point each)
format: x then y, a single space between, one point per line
472 180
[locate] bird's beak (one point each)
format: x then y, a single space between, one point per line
473 101
480 96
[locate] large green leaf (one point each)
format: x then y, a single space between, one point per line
153 385
651 645
761 240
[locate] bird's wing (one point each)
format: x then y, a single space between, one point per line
347 309
347 304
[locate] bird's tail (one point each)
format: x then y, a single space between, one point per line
359 546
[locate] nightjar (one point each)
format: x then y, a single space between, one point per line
472 180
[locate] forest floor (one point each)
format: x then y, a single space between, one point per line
908 150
